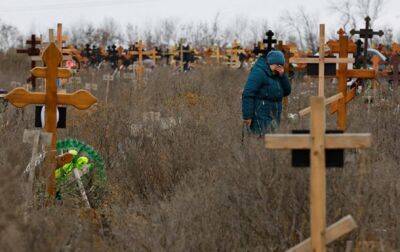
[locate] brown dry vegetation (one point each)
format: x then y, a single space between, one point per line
196 187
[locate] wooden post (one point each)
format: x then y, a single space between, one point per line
81 99
318 177
321 77
51 36
78 176
342 81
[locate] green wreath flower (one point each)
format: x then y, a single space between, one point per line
86 160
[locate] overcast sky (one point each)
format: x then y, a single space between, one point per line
38 15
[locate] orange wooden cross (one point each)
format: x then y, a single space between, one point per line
343 47
19 97
233 54
140 52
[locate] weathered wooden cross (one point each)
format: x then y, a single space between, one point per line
317 141
19 97
32 51
321 60
344 47
366 34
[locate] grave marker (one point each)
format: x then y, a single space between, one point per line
366 33
139 70
269 41
233 53
318 142
19 97
32 51
344 47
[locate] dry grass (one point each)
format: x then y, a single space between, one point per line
196 187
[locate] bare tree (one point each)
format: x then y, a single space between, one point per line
109 32
353 12
388 37
9 36
82 33
305 25
132 33
345 10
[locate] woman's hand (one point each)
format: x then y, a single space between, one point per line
247 122
280 70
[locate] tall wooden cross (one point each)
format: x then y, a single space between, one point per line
317 141
366 33
394 77
19 97
32 51
344 47
321 60
269 41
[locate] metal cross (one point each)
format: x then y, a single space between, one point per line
269 41
366 34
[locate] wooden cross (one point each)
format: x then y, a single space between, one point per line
140 53
234 53
318 142
395 63
321 60
344 47
216 53
61 39
269 41
32 51
19 97
366 33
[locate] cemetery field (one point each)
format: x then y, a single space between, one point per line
181 176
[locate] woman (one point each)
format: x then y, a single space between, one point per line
266 86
